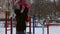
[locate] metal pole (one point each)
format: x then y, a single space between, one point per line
29 25
42 29
11 25
33 25
6 22
47 29
43 26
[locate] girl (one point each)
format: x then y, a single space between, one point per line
21 16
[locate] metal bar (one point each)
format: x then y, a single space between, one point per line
33 25
47 29
6 23
11 25
53 24
42 29
29 25
47 25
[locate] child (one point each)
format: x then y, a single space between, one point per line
21 16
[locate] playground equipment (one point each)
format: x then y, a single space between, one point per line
6 24
43 29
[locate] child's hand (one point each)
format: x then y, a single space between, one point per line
22 11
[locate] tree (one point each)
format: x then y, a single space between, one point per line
43 7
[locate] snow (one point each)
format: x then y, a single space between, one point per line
52 30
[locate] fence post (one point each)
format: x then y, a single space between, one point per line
29 25
6 22
33 25
11 25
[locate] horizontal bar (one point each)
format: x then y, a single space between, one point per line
2 19
52 24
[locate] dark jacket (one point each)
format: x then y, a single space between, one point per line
21 25
20 19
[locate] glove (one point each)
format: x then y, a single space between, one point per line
14 7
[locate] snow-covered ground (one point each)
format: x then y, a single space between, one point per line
38 30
